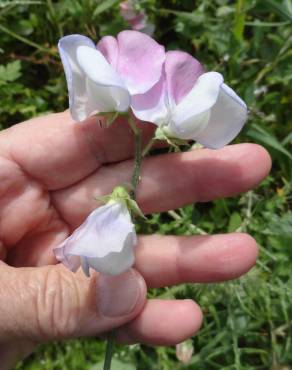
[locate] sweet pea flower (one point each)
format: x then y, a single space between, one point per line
138 20
103 78
104 242
189 104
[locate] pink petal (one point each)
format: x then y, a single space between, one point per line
152 106
138 22
140 61
126 9
108 46
182 72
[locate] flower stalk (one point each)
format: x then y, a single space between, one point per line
110 344
137 158
134 182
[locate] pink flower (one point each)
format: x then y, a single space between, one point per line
103 78
189 104
138 20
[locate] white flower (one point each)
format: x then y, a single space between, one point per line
189 104
104 242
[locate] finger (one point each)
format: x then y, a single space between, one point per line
51 302
58 152
172 180
163 323
3 251
171 260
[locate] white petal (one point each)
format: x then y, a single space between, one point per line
85 265
96 67
227 118
105 241
116 263
75 77
107 89
191 115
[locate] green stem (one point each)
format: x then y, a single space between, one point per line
148 147
134 182
137 159
27 41
109 351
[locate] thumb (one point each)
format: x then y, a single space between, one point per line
51 302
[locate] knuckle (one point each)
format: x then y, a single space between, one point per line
57 304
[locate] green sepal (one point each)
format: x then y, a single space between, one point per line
122 194
163 134
110 117
135 209
103 199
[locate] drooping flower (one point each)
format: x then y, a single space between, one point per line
104 242
189 104
184 351
103 78
138 20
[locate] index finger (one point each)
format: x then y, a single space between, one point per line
59 152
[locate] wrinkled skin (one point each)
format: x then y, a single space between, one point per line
50 169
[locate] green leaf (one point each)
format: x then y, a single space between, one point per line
104 6
282 10
258 133
234 222
115 365
194 17
287 139
10 72
279 225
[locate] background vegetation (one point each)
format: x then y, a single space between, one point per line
248 322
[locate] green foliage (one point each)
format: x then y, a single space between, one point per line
248 322
115 365
10 72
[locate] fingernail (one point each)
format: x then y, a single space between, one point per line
118 295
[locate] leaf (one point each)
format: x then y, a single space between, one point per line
279 225
258 133
287 140
10 72
104 6
115 365
194 17
234 222
282 10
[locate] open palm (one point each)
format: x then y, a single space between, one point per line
50 171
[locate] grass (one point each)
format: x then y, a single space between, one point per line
248 322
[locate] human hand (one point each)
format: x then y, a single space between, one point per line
50 170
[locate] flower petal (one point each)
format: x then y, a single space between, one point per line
104 81
182 72
140 61
85 265
116 263
227 118
74 75
152 106
105 241
191 115
71 262
108 46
